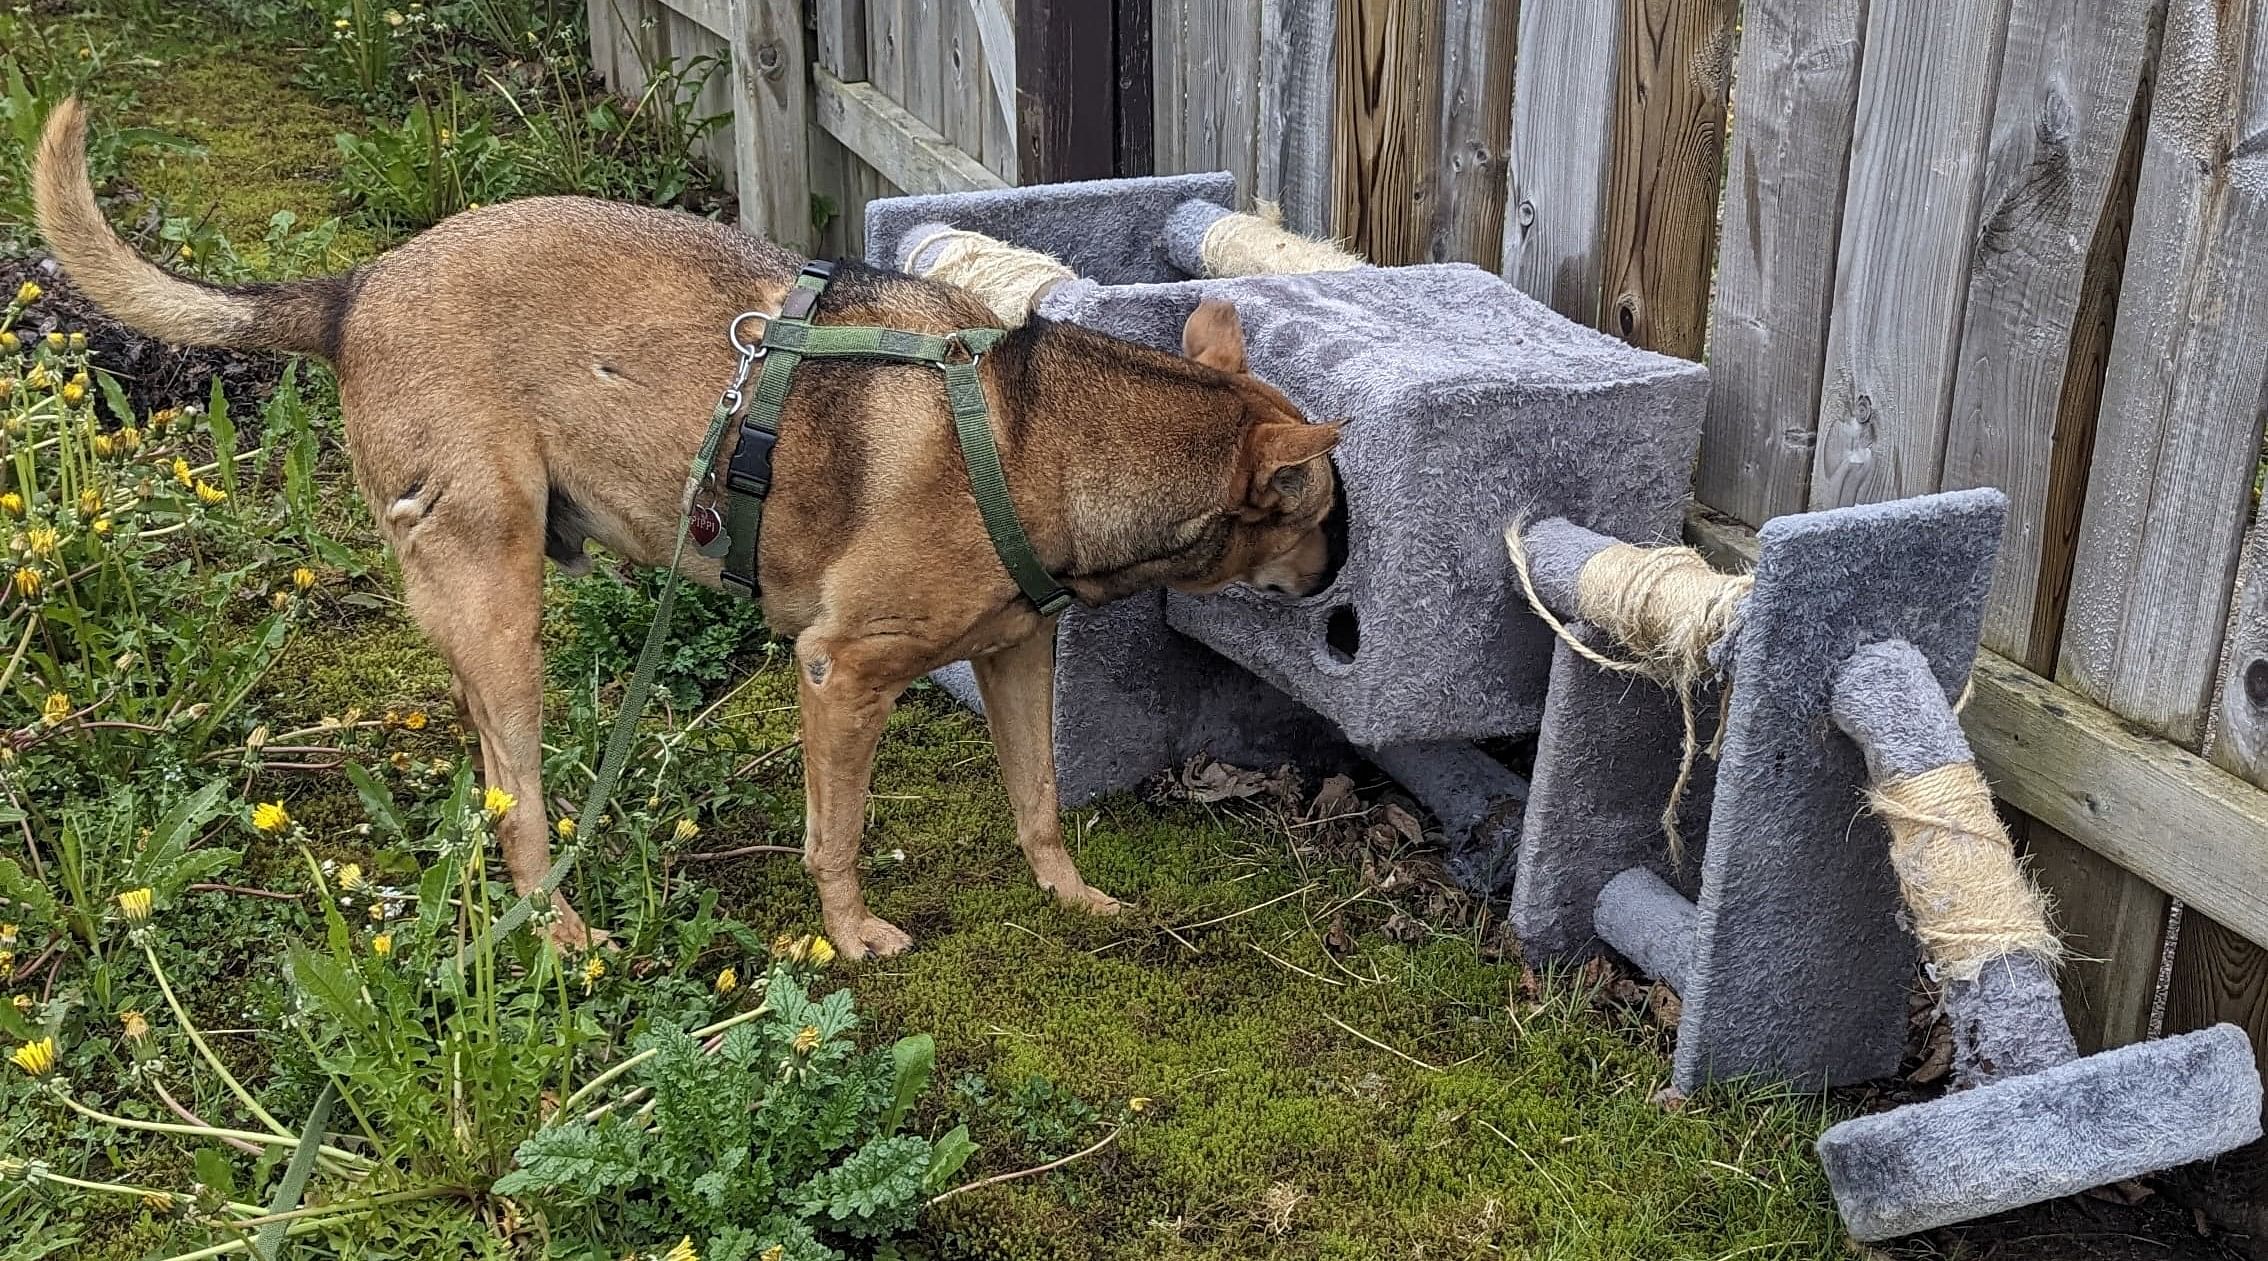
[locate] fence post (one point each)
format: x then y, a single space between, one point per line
771 119
1067 89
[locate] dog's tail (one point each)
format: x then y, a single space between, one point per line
302 316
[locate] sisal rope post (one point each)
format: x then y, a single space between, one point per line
1970 900
1259 244
1009 278
1668 607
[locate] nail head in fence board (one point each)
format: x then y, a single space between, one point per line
903 149
2179 437
2068 87
1562 124
1383 128
1669 120
2148 805
1477 46
1794 97
1909 208
1298 84
1066 90
773 110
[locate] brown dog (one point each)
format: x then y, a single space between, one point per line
527 376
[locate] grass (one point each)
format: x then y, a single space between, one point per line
1410 1096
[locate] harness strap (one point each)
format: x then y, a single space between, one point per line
789 339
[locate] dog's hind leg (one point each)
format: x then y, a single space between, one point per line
845 702
473 571
1018 684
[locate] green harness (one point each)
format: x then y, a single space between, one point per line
789 338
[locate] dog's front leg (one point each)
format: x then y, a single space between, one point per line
1018 684
845 703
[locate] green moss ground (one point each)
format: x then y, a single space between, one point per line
1519 1123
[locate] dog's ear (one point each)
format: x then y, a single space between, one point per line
1213 336
1277 454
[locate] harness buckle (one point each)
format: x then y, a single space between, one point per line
751 469
799 303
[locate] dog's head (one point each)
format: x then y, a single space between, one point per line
1284 485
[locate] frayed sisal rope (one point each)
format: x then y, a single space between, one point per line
1668 608
1970 900
1009 278
1259 244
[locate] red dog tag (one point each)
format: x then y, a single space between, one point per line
704 525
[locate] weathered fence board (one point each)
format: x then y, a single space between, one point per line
1669 123
1562 133
1794 99
1917 156
1297 84
1382 175
1477 48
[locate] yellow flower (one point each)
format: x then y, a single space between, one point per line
188 251
685 831
162 417
382 945
400 762
102 443
1138 1103
12 504
280 601
806 1040
209 494
682 1252
7 965
57 708
593 969
777 1252
137 904
790 948
130 439
100 525
394 17
497 802
73 392
36 1058
37 378
350 877
181 471
21 1002
565 827
55 341
79 342
136 1026
343 24
303 578
41 541
270 817
727 981
415 721
27 583
90 502
9 341
8 934
157 1201
822 952
27 294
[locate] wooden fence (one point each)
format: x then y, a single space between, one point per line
2018 243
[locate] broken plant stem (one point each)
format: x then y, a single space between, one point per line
205 1049
1032 1172
210 1131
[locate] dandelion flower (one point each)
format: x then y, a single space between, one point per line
90 502
209 494
415 721
497 803
351 878
280 601
593 969
22 1003
102 443
303 578
790 948
727 981
9 341
270 817
135 1025
74 393
377 905
181 472
8 934
36 1058
28 583
683 1251
137 904
777 1252
130 439
806 1040
382 945
400 762
685 830
78 341
41 541
188 251
565 827
822 952
57 708
12 504
1138 1103
27 294
343 24
37 378
394 17
7 965
100 525
55 341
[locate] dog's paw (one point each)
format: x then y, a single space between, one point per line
1086 897
570 935
869 938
